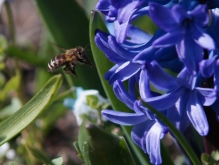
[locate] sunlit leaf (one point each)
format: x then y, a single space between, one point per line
57 161
25 115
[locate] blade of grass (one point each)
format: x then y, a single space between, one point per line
25 115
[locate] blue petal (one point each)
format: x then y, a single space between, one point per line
153 143
79 91
160 79
125 54
181 108
190 53
207 67
123 118
213 31
186 79
207 96
131 86
104 46
125 13
162 16
139 132
144 85
111 72
122 95
138 107
200 15
169 39
103 5
174 116
69 103
165 101
120 31
197 115
137 35
203 39
146 55
124 72
179 13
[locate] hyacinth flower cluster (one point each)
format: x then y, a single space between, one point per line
169 69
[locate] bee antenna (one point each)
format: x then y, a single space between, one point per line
87 46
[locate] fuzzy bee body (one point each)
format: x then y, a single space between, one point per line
69 59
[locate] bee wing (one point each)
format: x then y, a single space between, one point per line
59 47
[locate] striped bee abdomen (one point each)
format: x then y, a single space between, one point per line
56 62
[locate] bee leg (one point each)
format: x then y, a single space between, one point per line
74 65
70 70
67 69
73 71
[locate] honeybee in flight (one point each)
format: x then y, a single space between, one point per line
69 59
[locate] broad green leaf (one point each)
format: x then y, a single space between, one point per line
77 148
25 115
57 161
38 155
103 65
68 25
101 148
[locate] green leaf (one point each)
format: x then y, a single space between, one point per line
215 155
103 65
99 147
11 85
27 56
57 161
13 163
3 44
68 25
76 145
25 115
38 155
207 159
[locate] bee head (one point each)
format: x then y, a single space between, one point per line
82 56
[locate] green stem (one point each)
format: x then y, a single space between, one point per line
64 94
10 22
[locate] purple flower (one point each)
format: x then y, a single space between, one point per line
145 133
122 12
168 70
184 29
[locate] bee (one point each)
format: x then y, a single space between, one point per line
69 59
